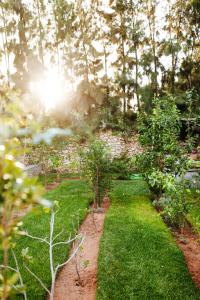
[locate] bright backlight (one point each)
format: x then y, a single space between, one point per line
50 90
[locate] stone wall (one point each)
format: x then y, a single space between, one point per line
33 170
118 145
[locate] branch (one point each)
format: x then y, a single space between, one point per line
74 253
37 278
68 241
10 268
20 277
36 238
57 235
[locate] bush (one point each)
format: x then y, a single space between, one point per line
123 166
173 202
95 167
159 135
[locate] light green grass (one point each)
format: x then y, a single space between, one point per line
73 197
138 257
51 177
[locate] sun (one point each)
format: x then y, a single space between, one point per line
50 90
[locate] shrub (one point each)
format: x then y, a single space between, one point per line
173 202
159 135
123 166
95 167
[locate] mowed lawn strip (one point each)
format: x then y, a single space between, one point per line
139 258
73 197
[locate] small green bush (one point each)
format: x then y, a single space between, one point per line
159 135
123 166
95 167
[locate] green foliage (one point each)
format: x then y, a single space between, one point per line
159 135
122 166
55 161
193 216
95 166
163 162
18 192
160 130
173 202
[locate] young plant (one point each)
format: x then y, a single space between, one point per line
159 135
95 167
123 166
18 192
173 202
55 163
51 243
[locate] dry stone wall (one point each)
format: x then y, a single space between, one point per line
118 145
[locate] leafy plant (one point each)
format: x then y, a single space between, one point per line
18 192
55 163
95 167
159 135
123 166
174 204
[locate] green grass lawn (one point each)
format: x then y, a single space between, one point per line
138 257
73 197
51 177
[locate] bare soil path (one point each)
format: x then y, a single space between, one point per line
68 285
189 243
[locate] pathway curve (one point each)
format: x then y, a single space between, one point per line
68 285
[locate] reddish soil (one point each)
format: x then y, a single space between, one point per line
68 285
189 243
52 185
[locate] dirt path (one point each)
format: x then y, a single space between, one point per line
189 243
68 285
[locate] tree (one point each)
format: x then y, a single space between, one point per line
95 168
159 135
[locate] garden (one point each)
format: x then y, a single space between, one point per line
99 149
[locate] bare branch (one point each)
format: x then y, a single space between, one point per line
68 241
18 270
74 253
36 238
57 235
8 267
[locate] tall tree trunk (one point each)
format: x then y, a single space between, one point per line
5 47
152 28
136 78
124 75
41 54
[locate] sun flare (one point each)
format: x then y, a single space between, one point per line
50 90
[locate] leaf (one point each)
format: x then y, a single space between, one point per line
50 134
46 210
